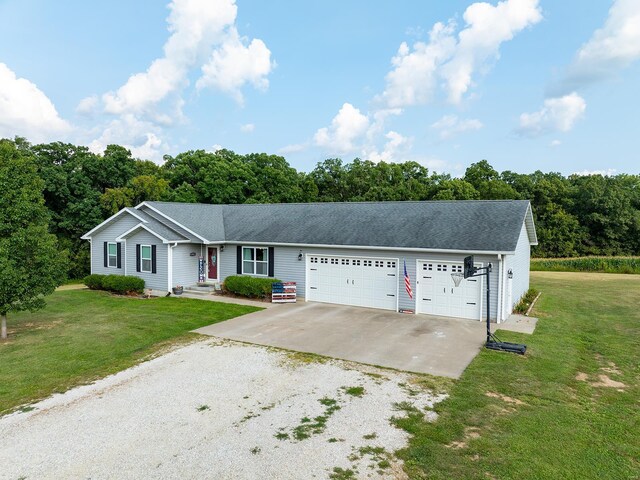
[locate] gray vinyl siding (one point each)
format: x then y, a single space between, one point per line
288 269
158 280
520 263
185 267
109 233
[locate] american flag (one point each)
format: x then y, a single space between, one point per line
407 281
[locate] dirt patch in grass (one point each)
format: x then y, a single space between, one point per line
505 398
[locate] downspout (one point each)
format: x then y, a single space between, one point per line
170 265
125 257
90 257
500 289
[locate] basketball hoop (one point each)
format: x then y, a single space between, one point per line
457 278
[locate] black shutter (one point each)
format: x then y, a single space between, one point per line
239 260
106 257
137 257
271 260
119 246
153 259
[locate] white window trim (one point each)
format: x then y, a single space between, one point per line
142 259
255 262
109 256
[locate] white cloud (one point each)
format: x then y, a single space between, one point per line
450 125
396 143
195 26
88 105
449 61
293 148
143 138
347 128
234 64
26 111
247 127
557 115
203 38
611 48
605 173
555 143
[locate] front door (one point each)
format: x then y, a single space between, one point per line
212 263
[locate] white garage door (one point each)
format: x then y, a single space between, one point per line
438 295
359 281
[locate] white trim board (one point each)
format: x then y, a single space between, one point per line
87 235
145 204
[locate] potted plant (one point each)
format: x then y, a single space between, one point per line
177 290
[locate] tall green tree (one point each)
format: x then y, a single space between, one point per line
31 262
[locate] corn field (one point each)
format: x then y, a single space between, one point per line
588 264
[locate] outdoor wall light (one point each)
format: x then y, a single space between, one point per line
510 273
221 248
300 256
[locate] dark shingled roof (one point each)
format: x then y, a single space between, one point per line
474 225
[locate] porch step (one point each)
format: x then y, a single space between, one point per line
200 289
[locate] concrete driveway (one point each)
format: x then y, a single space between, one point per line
415 343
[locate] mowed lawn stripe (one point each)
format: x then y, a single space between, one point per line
546 415
83 335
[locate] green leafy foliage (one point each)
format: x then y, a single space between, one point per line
252 287
588 264
525 302
114 283
31 261
94 281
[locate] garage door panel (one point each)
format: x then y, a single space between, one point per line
438 295
359 281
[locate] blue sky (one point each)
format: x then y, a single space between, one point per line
525 84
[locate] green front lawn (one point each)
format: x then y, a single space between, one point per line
546 415
83 335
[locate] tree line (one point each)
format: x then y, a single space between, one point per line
575 215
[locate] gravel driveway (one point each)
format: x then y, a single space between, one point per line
217 410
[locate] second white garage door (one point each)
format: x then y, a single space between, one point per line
438 295
358 281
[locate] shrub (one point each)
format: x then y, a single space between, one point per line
249 286
526 301
122 284
94 281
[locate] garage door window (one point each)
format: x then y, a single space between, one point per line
255 261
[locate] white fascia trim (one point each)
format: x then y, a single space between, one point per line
529 215
145 204
87 235
140 225
366 247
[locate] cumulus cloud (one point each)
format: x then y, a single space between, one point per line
450 125
234 64
203 38
609 172
347 128
26 111
395 144
449 61
557 115
610 49
247 127
143 138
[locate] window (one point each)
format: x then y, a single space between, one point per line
112 255
145 258
255 261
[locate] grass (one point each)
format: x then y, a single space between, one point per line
525 302
83 335
587 264
545 415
